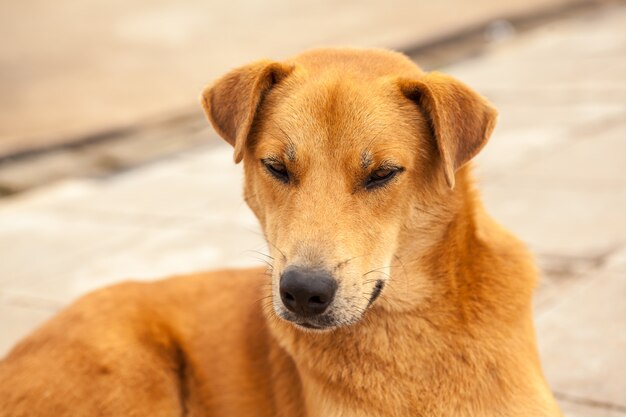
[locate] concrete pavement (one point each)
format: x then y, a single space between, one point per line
554 172
70 68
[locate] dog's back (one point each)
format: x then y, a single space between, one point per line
169 348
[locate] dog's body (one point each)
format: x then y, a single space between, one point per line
429 312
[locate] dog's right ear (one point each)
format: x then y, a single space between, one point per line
232 101
461 119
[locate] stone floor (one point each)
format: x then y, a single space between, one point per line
554 172
69 68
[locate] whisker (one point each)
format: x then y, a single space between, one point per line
264 298
277 248
345 262
259 252
264 261
406 277
380 272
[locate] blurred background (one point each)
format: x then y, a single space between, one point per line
109 171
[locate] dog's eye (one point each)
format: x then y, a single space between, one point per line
278 170
380 177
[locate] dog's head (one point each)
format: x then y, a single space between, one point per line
347 154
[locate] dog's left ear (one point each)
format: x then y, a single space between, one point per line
231 103
461 119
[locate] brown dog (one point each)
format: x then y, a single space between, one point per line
391 292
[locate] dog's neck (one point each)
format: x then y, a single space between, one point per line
428 321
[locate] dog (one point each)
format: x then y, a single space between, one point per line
390 290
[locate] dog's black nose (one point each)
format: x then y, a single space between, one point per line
307 291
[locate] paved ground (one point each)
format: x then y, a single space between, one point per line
70 68
554 172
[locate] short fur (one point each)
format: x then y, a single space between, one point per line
450 335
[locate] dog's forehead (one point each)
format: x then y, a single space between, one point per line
341 115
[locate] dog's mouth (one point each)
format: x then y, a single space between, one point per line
309 325
378 289
324 322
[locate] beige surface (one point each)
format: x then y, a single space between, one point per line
554 172
73 67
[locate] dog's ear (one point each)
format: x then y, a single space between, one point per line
460 118
232 101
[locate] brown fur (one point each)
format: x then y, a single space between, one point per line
451 334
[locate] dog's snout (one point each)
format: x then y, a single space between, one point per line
307 291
